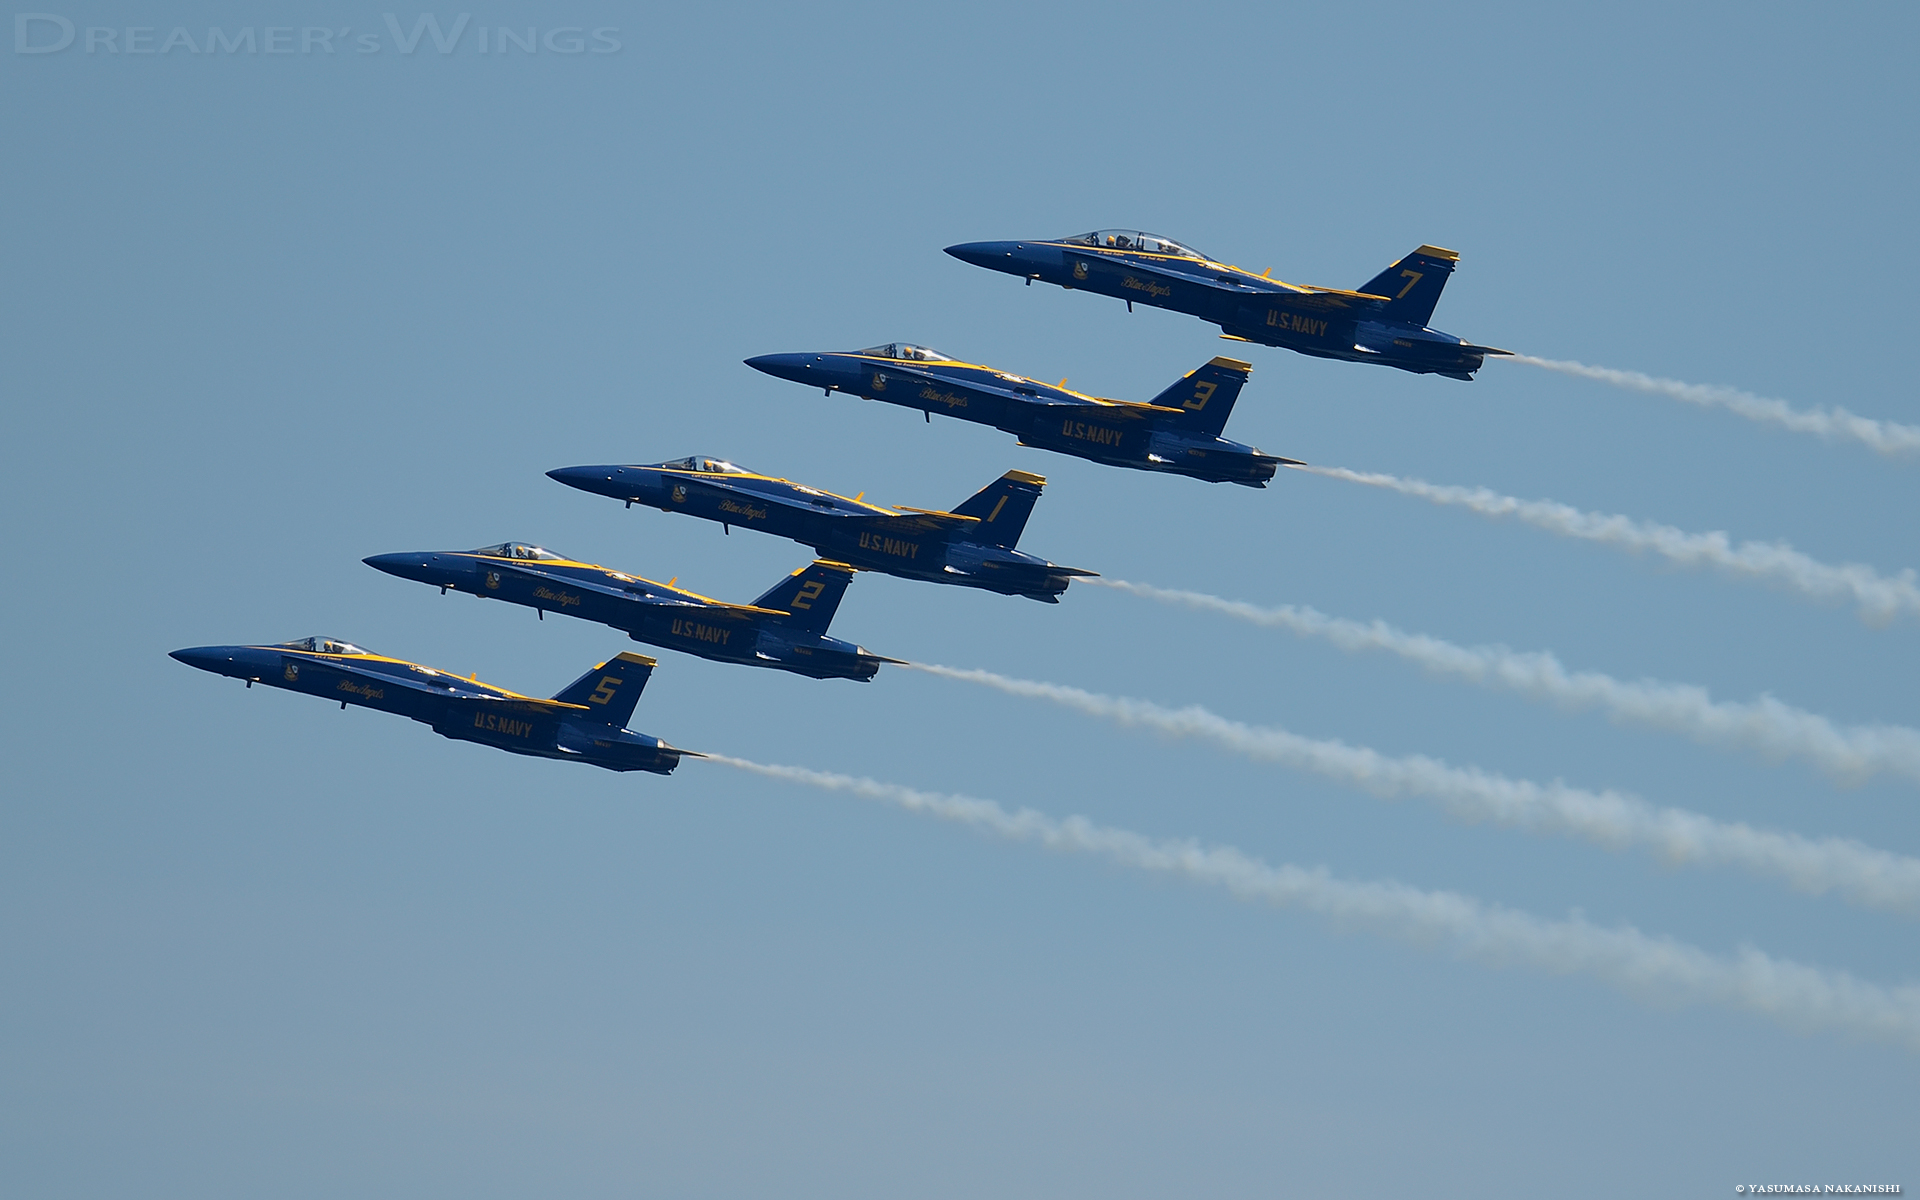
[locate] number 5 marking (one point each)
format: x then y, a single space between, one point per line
604 692
1412 277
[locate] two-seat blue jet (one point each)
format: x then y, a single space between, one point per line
1178 432
972 546
786 628
584 723
1385 321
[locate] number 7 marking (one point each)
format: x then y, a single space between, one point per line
1412 277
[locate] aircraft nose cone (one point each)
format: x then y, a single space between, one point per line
797 367
622 483
207 658
994 255
406 566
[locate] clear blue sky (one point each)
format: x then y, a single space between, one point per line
267 314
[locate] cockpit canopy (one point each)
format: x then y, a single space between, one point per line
709 466
905 352
521 550
322 645
1134 240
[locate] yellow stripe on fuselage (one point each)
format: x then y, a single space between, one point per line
371 658
1003 376
1209 264
725 475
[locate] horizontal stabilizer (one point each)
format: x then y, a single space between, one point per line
1049 569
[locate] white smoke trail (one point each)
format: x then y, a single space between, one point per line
1880 597
1888 437
1857 873
1659 969
1849 753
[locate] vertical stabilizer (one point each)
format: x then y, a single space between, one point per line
1003 507
811 595
1412 285
610 690
1206 395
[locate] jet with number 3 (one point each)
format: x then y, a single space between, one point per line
1178 432
972 546
584 723
1384 322
785 629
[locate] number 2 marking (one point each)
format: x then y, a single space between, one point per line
809 592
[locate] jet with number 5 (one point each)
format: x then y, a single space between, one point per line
584 723
1384 322
785 629
1178 432
972 546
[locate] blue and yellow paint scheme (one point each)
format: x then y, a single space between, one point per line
785 629
972 546
583 723
1384 321
1177 432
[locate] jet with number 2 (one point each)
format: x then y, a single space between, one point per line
584 723
785 629
1384 322
972 546
1178 432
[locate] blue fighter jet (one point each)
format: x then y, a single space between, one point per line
785 629
1384 322
581 724
972 546
1178 432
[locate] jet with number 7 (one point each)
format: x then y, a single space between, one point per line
1178 432
1384 322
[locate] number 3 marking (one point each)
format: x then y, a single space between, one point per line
1201 394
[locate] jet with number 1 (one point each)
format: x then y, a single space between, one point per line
1384 322
1179 432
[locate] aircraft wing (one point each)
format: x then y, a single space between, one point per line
717 607
350 678
1319 299
918 520
1134 410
